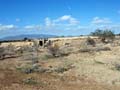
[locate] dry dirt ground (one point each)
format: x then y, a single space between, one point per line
90 71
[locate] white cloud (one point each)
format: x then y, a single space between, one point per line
74 21
32 27
64 18
67 18
48 22
65 22
8 27
98 20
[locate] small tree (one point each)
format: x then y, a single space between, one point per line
104 34
108 34
98 32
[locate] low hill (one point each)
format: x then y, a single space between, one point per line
30 36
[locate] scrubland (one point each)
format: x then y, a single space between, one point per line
86 64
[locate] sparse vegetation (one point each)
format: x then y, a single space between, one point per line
30 81
8 51
84 47
54 50
97 49
103 49
61 69
31 68
57 51
90 41
117 66
10 48
2 52
28 68
104 34
37 65
99 62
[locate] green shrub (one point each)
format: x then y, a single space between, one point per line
104 34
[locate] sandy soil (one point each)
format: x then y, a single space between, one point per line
91 71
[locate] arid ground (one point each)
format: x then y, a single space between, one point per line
79 67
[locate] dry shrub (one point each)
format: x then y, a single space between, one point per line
85 50
61 69
2 49
102 49
66 50
97 49
25 51
31 68
30 81
58 51
117 66
90 41
35 45
66 66
54 50
25 48
10 48
84 47
7 52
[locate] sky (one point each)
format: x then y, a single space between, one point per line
58 17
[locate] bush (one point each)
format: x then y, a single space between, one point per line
85 50
10 48
90 41
102 49
54 50
98 33
104 34
97 49
61 69
7 52
117 67
108 34
2 50
28 69
66 66
84 47
30 81
25 48
35 60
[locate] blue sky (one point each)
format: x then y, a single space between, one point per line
58 17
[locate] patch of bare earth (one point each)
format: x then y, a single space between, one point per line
10 79
92 71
